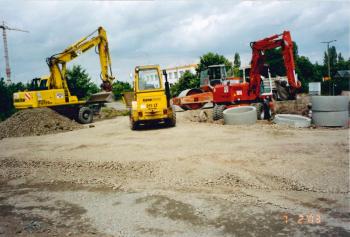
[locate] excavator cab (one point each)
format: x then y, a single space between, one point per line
38 84
215 74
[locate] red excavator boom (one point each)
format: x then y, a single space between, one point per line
284 41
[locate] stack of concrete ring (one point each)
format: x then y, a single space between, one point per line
330 111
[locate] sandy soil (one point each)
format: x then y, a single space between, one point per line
197 179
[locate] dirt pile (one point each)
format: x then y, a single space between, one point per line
36 122
201 115
298 106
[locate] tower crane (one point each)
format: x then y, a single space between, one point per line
5 27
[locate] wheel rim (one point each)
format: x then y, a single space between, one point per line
86 115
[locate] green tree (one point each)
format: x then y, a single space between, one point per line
186 81
236 64
209 59
6 95
119 87
79 82
340 58
305 69
333 59
307 72
274 58
189 80
337 63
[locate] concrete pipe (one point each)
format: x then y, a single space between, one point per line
240 115
293 120
330 103
331 119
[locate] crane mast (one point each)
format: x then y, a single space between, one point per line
6 53
4 27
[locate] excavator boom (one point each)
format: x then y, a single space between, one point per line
57 62
284 41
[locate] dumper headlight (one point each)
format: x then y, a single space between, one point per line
15 96
134 105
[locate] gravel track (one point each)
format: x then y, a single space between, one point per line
197 179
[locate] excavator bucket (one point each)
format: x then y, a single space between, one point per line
102 97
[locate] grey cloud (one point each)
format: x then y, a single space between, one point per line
166 33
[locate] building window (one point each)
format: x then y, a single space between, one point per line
181 73
175 75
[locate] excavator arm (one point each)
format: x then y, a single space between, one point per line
284 41
57 63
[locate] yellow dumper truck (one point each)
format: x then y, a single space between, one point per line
151 98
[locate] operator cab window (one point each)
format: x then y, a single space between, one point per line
148 79
38 84
43 85
216 74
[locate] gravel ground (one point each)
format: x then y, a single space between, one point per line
197 179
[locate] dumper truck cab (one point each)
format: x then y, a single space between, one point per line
151 98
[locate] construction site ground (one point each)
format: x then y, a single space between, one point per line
197 179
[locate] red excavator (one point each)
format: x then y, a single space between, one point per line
258 89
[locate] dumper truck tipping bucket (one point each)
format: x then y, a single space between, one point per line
127 98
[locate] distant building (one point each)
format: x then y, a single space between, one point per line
174 73
342 74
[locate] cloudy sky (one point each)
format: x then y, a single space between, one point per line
168 33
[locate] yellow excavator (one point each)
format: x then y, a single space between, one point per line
52 91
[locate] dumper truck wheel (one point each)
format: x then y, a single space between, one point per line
218 112
171 122
85 115
134 125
